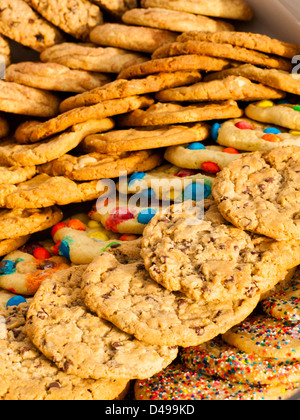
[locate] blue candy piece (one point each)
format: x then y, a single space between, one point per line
8 266
15 301
145 216
215 131
194 192
196 146
282 102
136 176
272 130
207 190
64 250
148 193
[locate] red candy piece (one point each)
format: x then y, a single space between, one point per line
57 227
210 167
185 172
76 224
127 238
272 138
118 216
55 249
231 150
243 125
41 254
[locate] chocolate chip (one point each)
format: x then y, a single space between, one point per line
53 385
66 366
116 344
270 180
262 187
46 265
199 330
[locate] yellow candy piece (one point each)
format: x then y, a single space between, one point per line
265 104
99 236
93 224
295 133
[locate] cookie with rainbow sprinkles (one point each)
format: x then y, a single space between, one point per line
179 383
266 337
285 304
218 359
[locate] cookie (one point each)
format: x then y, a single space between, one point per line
10 245
62 327
28 375
218 359
145 138
96 166
236 9
251 41
16 174
196 156
4 127
277 79
22 273
258 192
76 19
284 115
172 20
21 222
91 57
5 51
189 62
53 76
22 24
180 383
124 215
46 191
127 296
285 305
34 131
266 337
20 99
224 51
14 154
80 239
197 249
175 113
124 88
167 182
132 38
117 7
232 87
250 136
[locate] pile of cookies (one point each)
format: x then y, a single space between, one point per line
190 262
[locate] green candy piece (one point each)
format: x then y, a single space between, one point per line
296 108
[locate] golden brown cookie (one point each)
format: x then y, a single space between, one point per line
225 51
20 222
133 38
123 88
171 64
16 174
232 87
172 20
276 79
10 245
34 131
172 113
145 138
45 191
98 166
91 57
5 50
75 19
20 99
14 154
22 24
53 76
229 9
251 41
259 192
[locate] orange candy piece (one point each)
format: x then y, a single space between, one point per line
231 150
76 224
272 138
41 254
